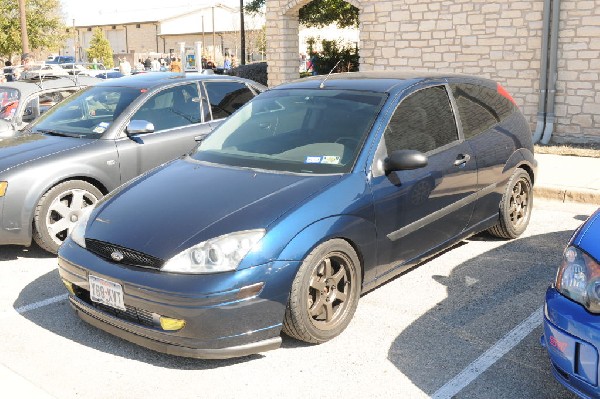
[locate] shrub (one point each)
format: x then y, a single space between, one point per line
256 72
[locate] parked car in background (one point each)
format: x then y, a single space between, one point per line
572 312
86 69
312 193
62 59
98 139
21 102
43 71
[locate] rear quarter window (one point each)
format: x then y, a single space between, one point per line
226 97
480 108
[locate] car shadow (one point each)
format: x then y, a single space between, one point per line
13 252
61 319
487 296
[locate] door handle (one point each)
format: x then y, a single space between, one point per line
462 159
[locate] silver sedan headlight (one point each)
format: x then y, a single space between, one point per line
220 254
78 231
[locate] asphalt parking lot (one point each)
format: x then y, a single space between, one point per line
465 324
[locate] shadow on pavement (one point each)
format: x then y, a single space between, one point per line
487 296
61 319
13 252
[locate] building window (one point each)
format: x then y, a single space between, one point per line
114 26
138 26
89 29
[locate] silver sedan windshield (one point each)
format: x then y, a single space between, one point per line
88 113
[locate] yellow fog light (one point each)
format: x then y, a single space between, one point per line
169 324
69 287
3 187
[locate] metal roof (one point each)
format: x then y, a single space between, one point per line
27 87
153 79
377 81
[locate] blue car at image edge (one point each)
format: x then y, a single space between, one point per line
572 312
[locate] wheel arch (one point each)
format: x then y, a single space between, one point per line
358 232
34 196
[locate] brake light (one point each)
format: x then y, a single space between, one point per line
502 91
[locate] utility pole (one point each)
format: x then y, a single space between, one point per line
214 57
23 22
243 32
74 41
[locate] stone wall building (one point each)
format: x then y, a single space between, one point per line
501 40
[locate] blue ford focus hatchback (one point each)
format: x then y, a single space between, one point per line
572 312
312 193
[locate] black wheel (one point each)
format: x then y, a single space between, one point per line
324 293
515 207
59 209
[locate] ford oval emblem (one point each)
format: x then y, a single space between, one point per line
117 256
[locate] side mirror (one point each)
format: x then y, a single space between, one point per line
138 126
405 160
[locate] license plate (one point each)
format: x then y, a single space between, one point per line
106 292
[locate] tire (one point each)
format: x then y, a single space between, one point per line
515 207
59 209
324 293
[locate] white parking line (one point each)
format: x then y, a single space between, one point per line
33 306
485 361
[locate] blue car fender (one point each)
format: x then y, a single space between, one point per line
359 232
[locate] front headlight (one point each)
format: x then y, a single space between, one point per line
219 254
78 230
578 278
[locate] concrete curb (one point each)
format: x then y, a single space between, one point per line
567 194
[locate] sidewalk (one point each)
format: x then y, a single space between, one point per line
568 178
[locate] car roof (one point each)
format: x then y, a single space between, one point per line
30 86
156 79
376 81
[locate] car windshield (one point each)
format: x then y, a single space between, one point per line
9 100
88 113
300 131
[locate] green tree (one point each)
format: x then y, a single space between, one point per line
319 13
45 28
100 49
335 58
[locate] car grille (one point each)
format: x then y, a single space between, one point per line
130 257
132 314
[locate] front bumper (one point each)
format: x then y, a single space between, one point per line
572 338
218 323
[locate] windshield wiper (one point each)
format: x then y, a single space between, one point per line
57 133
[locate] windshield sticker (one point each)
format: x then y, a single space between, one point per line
330 159
101 128
312 160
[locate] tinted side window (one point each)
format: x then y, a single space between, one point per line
423 121
170 108
226 97
480 108
51 98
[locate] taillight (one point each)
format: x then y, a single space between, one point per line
502 91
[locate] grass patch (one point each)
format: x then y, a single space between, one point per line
578 150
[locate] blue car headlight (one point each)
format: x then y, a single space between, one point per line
578 278
220 254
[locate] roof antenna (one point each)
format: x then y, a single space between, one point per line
322 85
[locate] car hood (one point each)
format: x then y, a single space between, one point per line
588 236
184 203
19 150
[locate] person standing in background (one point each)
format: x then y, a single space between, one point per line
155 65
125 67
175 65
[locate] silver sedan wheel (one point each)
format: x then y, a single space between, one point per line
65 210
